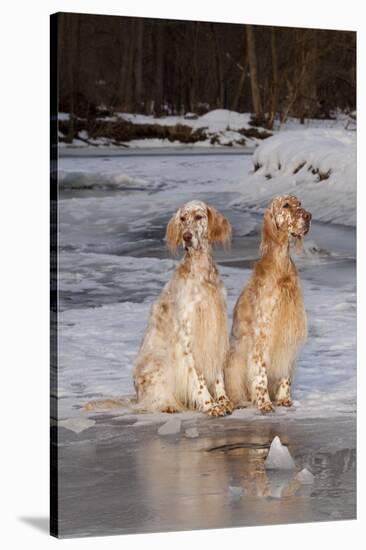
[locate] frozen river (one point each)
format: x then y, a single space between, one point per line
113 263
113 211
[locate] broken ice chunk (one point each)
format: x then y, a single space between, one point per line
305 477
191 433
140 423
171 427
279 457
77 425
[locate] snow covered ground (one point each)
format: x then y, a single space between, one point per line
220 123
221 126
113 263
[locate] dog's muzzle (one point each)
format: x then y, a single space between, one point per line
187 238
306 216
306 221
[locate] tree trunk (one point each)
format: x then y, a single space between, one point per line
309 93
73 23
274 87
220 101
125 45
239 90
253 69
193 70
129 80
138 64
159 74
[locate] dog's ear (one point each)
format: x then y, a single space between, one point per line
219 229
173 234
269 230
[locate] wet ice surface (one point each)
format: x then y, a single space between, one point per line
113 264
115 479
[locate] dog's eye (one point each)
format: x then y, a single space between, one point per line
286 205
198 217
182 218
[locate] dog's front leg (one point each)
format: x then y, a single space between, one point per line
259 387
202 396
257 365
258 383
283 395
221 396
198 390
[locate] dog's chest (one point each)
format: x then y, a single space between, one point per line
289 317
202 304
203 321
198 291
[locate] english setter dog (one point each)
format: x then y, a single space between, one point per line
181 359
269 323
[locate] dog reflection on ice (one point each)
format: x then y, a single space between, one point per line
214 488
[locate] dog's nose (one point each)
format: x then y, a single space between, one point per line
306 216
187 236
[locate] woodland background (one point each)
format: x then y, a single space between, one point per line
110 64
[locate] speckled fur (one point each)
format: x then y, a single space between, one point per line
181 359
269 324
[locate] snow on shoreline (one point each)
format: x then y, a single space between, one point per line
222 125
217 120
319 166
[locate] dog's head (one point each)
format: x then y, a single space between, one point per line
289 216
285 218
195 225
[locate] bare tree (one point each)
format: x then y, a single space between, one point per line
243 68
139 27
275 83
159 72
253 68
220 100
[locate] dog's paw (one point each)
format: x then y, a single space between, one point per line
216 409
265 407
225 402
170 409
286 402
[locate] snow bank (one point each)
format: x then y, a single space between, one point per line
217 120
319 166
221 127
320 152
